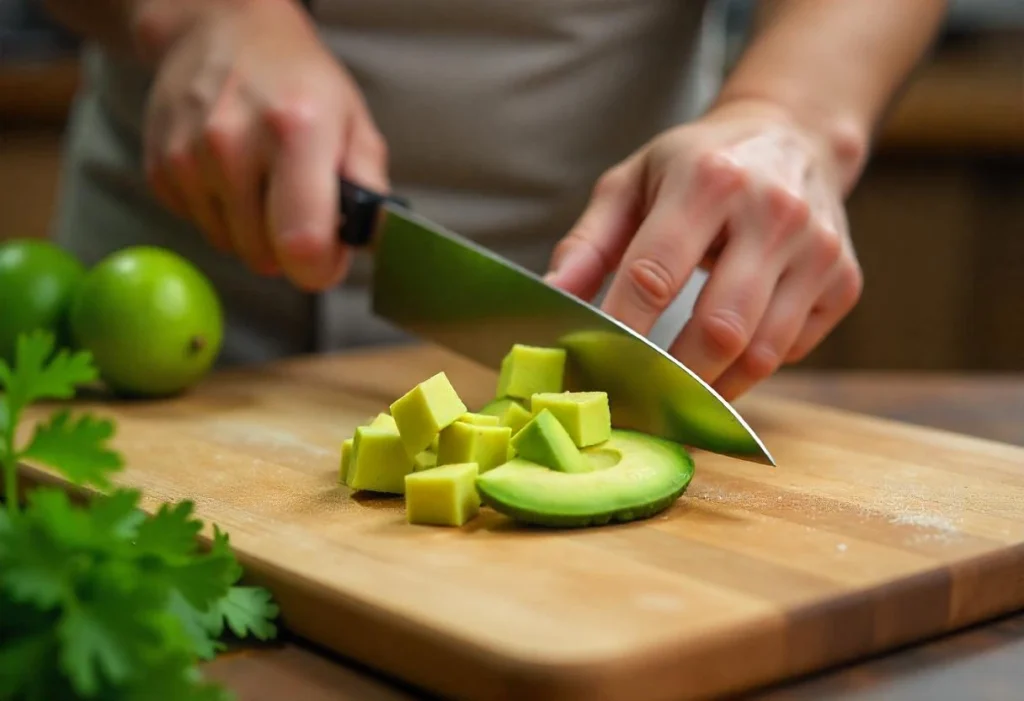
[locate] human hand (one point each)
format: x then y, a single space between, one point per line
249 125
752 197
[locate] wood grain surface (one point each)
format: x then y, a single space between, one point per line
868 535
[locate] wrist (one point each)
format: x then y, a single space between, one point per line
843 136
155 25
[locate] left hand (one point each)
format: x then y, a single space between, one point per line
751 196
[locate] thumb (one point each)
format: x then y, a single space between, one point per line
597 241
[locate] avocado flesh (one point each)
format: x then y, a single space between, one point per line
649 476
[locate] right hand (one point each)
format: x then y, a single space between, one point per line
249 124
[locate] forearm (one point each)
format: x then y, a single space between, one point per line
835 65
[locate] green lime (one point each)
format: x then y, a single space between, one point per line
151 319
37 282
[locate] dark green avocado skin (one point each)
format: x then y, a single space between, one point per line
676 467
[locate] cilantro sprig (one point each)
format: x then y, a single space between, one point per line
102 601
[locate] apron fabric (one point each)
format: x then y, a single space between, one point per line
499 117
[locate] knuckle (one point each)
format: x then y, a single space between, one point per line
377 145
851 285
221 135
716 172
179 159
760 361
828 247
652 282
611 182
724 331
788 212
293 118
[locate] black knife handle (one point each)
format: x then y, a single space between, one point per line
359 208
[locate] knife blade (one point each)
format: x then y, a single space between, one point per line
453 292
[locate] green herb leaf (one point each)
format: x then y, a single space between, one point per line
171 532
249 611
19 661
76 447
202 627
36 375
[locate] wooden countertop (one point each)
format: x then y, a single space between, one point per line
981 663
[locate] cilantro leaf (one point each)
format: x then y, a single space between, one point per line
171 532
95 647
19 660
5 424
171 537
202 627
249 611
115 625
116 515
76 447
37 551
36 375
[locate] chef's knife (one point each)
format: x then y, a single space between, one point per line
455 293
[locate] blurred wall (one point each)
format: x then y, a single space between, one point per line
938 218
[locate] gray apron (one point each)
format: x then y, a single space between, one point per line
499 117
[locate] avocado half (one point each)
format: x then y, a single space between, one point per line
636 476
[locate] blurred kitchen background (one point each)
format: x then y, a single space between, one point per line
938 219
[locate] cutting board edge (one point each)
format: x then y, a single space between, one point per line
427 654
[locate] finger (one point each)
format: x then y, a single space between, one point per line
727 310
365 157
181 151
592 248
156 167
302 199
230 159
838 300
689 211
770 228
798 289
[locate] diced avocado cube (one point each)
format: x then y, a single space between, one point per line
585 415
423 411
487 446
425 460
346 456
444 496
545 441
378 462
527 370
384 421
479 419
510 412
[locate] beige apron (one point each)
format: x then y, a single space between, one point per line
499 114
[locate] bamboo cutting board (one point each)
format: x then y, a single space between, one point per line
867 535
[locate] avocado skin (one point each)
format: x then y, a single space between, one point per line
600 516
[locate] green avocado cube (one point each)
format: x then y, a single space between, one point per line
346 456
423 411
425 461
510 412
487 446
379 462
527 370
479 419
444 496
382 421
545 441
385 422
585 415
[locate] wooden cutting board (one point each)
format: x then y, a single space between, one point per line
867 535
